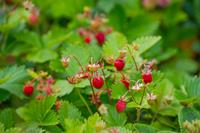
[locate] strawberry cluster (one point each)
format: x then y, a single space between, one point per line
42 83
94 72
96 28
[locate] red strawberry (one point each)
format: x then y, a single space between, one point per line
97 82
126 83
119 64
100 37
33 17
48 90
87 39
147 77
120 106
28 89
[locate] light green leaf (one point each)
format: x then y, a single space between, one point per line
11 80
115 42
92 122
140 25
145 43
118 90
188 114
113 118
42 56
143 128
39 112
6 117
69 111
64 86
192 87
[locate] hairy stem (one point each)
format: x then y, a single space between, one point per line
133 98
78 62
104 75
138 114
139 109
133 58
84 101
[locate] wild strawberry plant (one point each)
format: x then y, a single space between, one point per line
89 78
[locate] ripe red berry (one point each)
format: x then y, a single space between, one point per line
33 17
87 39
97 82
147 77
100 37
28 90
119 64
126 83
120 106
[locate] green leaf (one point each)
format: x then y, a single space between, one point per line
192 87
2 128
57 66
4 95
10 130
140 25
42 56
105 5
113 118
75 51
6 117
68 111
35 130
118 90
188 114
11 80
71 124
145 43
64 87
115 42
39 112
143 128
91 125
29 38
82 84
117 15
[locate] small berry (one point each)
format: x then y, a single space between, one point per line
147 77
126 83
28 89
97 82
100 37
58 105
120 106
87 39
33 17
48 90
119 64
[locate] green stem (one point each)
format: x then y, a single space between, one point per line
142 95
90 80
138 114
133 98
139 109
104 75
133 58
84 101
78 62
